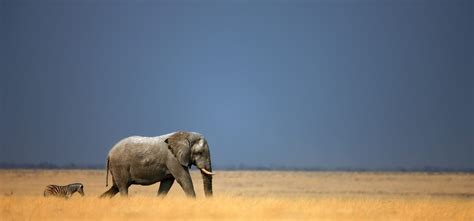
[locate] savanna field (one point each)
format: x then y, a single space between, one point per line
247 195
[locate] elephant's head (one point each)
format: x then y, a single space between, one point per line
192 149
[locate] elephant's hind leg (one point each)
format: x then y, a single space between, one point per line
122 178
111 192
124 189
165 186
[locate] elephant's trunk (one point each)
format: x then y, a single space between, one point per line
207 182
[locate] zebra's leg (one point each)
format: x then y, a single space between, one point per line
165 186
111 192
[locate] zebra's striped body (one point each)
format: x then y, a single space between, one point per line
64 191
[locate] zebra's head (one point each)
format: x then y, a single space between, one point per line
76 187
80 190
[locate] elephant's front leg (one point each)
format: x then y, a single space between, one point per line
165 186
181 174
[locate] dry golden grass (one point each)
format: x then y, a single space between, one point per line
248 195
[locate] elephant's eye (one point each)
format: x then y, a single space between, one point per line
198 152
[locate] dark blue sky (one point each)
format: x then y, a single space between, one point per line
305 83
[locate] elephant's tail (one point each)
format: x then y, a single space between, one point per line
107 172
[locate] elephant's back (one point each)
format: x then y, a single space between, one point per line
134 146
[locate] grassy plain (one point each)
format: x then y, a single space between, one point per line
248 195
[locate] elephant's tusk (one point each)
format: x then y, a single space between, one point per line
207 172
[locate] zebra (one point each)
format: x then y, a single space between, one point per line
64 191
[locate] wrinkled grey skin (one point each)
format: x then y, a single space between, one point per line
164 159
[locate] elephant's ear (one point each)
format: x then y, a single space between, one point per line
180 146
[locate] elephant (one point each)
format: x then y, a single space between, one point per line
166 158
